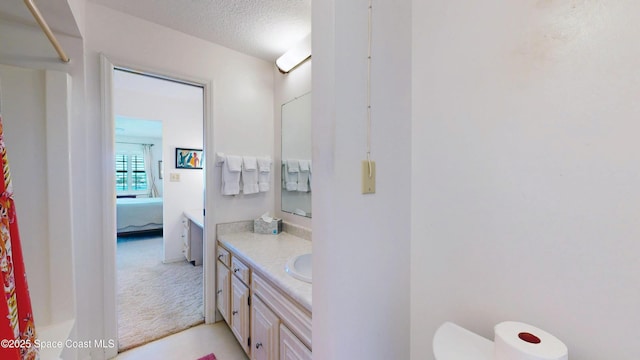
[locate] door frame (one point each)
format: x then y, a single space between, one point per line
107 66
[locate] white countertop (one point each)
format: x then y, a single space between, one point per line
268 255
195 215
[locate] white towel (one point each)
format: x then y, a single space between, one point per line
284 175
310 173
231 175
291 170
264 164
293 166
264 173
234 163
303 176
249 175
304 165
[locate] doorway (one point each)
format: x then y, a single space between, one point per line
179 108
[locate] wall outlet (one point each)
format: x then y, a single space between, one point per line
368 177
174 177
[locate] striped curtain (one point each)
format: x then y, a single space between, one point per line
17 328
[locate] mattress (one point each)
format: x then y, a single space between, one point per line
142 213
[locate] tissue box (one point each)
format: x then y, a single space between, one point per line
262 227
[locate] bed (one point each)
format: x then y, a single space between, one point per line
138 215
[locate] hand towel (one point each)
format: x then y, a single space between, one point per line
284 176
304 165
264 173
231 175
250 175
310 173
303 176
292 168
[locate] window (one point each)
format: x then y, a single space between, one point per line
131 176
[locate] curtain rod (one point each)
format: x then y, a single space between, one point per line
132 143
46 29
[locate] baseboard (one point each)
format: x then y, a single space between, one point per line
178 259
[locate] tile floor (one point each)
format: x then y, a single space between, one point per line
190 344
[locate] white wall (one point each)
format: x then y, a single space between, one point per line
287 87
361 242
25 46
242 98
182 118
78 10
23 114
242 94
525 171
36 106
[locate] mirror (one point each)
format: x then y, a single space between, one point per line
297 172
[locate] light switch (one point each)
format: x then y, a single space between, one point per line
368 177
174 177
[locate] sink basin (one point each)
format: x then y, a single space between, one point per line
300 267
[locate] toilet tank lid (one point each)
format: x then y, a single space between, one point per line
453 342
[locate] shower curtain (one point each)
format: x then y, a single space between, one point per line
17 329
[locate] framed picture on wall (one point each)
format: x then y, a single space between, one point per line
188 158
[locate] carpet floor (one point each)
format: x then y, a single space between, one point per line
155 299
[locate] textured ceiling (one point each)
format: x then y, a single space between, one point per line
261 28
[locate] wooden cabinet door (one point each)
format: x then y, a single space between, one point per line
264 331
240 312
291 348
223 291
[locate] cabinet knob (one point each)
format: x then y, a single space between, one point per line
220 256
234 312
219 292
258 345
236 270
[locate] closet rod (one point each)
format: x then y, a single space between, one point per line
46 29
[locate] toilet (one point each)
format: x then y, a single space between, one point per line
452 342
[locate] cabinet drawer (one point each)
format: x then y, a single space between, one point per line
223 256
240 270
297 319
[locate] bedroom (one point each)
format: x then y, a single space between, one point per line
139 189
152 118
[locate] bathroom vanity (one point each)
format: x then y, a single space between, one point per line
268 311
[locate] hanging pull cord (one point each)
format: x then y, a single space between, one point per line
369 32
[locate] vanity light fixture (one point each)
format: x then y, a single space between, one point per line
300 53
